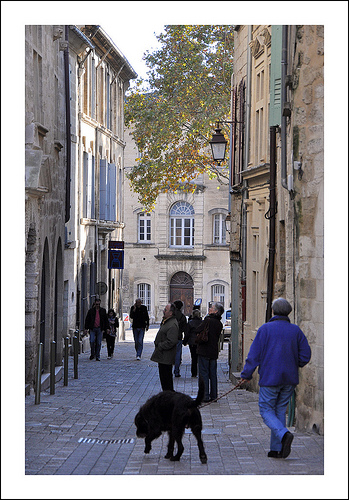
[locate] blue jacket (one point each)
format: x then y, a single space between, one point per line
278 349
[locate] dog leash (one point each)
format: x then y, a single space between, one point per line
219 397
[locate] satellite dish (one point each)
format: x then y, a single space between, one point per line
101 288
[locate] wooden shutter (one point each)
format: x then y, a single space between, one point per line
275 76
111 198
103 180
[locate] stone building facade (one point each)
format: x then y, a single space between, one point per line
179 251
277 184
99 81
45 190
76 80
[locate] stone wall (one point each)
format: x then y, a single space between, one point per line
44 188
308 148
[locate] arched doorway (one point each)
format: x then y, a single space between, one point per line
182 288
58 332
31 306
45 306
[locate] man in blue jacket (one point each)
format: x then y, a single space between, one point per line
278 349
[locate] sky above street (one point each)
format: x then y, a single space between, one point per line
127 39
131 24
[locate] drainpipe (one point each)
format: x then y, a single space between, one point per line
246 155
68 126
232 135
283 109
271 216
234 255
245 184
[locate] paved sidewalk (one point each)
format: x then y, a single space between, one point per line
86 428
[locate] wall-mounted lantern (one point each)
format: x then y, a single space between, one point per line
218 145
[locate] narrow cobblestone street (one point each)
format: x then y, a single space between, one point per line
86 428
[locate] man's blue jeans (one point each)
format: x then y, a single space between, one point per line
273 403
178 358
208 371
138 335
96 342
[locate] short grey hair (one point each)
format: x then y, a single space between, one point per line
219 308
281 307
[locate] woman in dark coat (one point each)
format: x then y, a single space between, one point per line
190 338
208 351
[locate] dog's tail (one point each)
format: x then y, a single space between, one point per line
201 392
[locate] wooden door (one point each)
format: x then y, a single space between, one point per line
182 288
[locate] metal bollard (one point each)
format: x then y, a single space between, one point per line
38 373
52 367
76 353
66 357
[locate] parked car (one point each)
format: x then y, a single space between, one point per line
226 320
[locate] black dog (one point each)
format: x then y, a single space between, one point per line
172 412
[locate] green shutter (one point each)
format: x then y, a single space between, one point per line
275 76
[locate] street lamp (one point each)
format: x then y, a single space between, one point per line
218 145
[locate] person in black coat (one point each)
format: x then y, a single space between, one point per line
111 336
140 324
190 338
182 322
208 351
96 322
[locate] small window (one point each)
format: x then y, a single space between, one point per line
144 228
218 294
219 232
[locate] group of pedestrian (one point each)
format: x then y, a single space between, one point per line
279 349
168 346
98 323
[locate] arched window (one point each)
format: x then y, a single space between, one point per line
182 225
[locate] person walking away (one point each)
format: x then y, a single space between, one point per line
96 322
140 324
111 335
165 346
279 349
182 323
190 339
208 351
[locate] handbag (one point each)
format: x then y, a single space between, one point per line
202 336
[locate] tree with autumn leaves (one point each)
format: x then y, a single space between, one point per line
172 114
